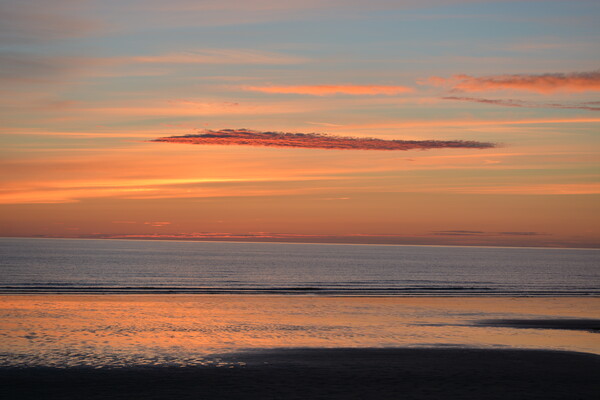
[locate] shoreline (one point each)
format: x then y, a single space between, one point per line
329 373
166 295
300 292
308 295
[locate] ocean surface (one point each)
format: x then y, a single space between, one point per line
86 266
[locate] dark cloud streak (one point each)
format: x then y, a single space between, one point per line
482 233
245 137
524 104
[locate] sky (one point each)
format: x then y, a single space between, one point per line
435 122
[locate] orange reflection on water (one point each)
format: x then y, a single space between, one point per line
106 330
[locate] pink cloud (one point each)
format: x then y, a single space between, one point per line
246 137
544 83
325 90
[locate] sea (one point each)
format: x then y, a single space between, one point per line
90 266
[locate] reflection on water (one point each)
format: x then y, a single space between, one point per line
184 330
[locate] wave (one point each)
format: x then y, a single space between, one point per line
300 290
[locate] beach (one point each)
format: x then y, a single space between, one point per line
295 321
269 347
331 374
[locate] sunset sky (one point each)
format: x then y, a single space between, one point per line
465 122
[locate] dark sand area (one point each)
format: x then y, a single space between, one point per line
330 374
578 324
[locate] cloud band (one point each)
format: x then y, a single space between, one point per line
525 104
545 83
246 137
328 90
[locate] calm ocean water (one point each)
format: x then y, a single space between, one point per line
113 266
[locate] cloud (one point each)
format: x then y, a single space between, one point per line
489 239
19 66
482 233
72 188
326 90
524 104
534 189
157 224
191 108
34 21
327 124
23 67
182 13
221 56
246 137
430 123
544 83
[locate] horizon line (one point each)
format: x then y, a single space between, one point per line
216 240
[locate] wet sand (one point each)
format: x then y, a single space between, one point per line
121 331
576 324
329 374
253 347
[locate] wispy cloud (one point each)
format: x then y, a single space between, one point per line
70 191
233 12
534 189
246 137
544 83
327 90
524 104
24 22
221 56
191 107
432 238
19 66
482 233
327 124
157 224
429 123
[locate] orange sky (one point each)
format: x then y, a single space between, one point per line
88 87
